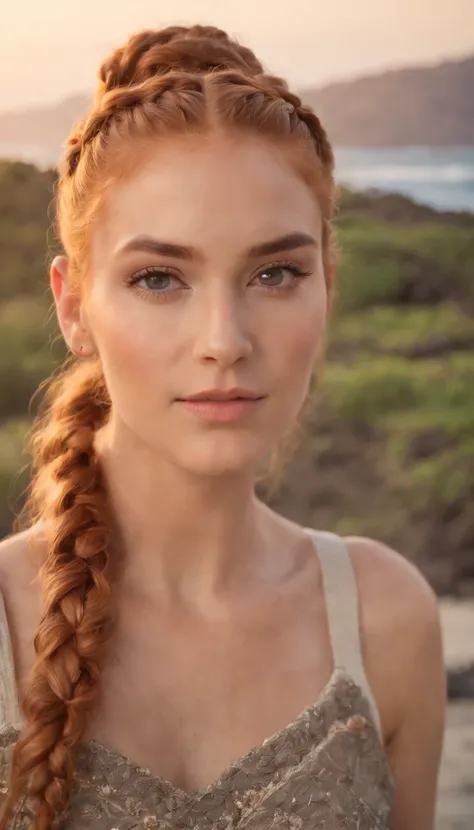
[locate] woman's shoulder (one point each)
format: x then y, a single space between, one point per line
401 629
22 552
391 586
20 558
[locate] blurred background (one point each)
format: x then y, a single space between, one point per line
388 450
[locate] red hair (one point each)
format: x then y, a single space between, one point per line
175 79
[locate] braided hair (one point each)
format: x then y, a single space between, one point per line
173 79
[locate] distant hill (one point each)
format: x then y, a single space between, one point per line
44 126
431 105
421 106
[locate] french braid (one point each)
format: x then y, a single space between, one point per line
160 81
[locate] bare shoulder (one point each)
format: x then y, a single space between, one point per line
388 580
21 556
401 628
20 559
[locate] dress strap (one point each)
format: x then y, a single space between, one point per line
9 708
342 608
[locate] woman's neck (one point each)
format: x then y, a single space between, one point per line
181 535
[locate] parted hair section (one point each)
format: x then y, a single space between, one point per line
174 79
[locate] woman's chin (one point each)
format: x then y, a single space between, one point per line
223 455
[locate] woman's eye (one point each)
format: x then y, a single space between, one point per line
278 276
157 281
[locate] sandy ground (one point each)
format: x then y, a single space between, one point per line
456 784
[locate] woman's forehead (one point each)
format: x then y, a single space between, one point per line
197 192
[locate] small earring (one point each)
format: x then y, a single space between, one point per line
79 353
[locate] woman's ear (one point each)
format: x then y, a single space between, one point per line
68 310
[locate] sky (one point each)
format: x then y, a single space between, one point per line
50 49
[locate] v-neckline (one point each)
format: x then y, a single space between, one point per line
291 758
168 788
163 787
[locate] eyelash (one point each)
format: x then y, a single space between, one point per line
297 271
162 296
154 296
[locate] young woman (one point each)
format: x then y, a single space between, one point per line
175 654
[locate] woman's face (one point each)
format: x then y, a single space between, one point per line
207 279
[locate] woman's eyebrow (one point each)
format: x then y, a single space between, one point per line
283 243
150 245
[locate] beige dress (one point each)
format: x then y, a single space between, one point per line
327 769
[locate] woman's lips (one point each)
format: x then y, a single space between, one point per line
224 411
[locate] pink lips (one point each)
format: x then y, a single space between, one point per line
222 406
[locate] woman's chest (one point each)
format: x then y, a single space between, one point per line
325 769
190 699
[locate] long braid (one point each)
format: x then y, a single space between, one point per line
158 83
69 498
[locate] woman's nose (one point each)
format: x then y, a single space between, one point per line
223 336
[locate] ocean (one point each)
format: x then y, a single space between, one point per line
442 177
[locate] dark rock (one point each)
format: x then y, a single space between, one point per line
461 682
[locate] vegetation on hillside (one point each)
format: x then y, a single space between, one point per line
388 448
